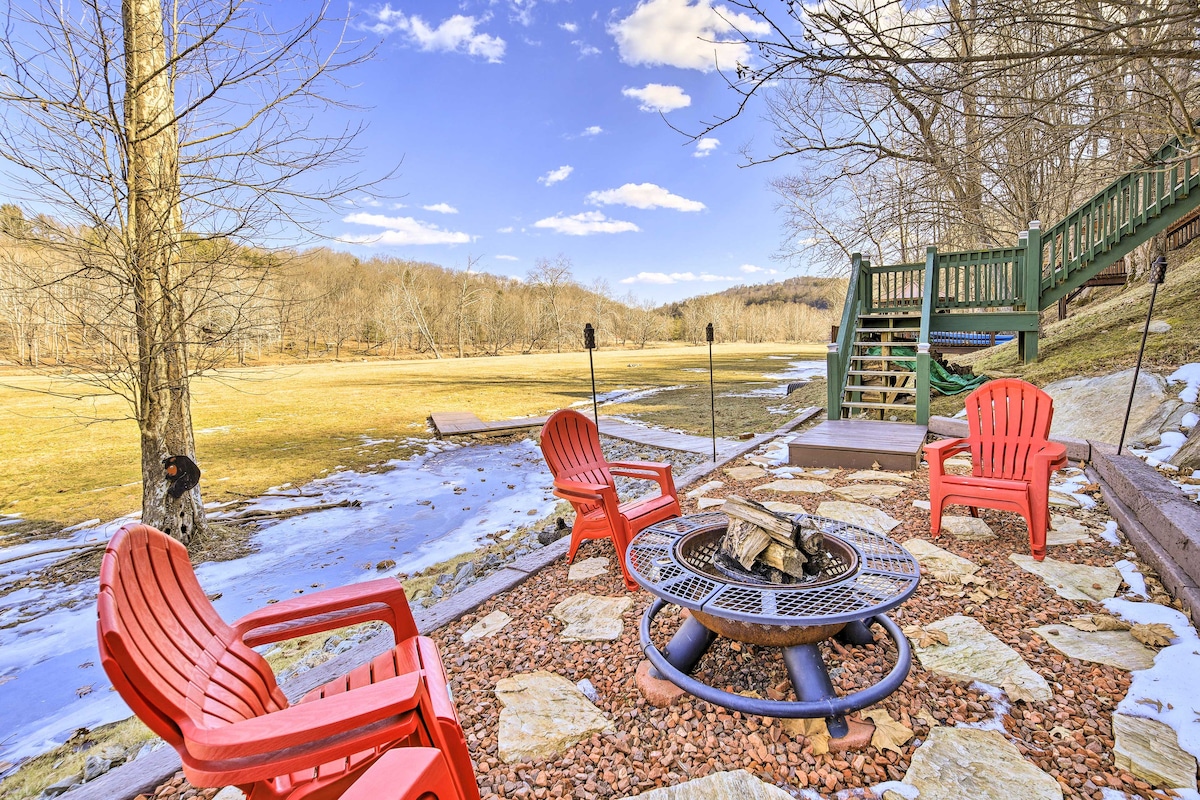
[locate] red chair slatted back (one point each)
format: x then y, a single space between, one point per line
167 652
571 446
1009 420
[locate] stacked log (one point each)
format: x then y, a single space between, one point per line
770 544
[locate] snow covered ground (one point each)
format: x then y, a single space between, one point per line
417 513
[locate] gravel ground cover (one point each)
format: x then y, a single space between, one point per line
1069 737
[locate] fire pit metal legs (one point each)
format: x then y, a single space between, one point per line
686 647
805 667
809 677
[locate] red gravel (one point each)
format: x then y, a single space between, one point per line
661 747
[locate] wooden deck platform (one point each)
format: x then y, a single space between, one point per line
464 423
858 444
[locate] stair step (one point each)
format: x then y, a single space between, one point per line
870 389
864 404
893 343
883 373
900 316
882 358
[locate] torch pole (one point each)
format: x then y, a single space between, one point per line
712 392
589 341
1158 274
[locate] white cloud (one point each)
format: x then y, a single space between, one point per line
441 208
667 278
751 269
569 27
592 130
508 258
584 224
508 229
455 34
685 34
705 146
586 49
658 97
556 175
643 195
400 230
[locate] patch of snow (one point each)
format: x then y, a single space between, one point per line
91 523
1165 692
1169 446
1131 576
961 414
218 429
1000 707
1109 534
899 787
1188 374
48 632
1189 421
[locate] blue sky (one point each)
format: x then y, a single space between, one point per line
526 129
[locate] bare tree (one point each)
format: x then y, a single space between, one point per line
162 137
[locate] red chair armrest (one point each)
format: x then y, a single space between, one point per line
1051 456
578 490
381 600
307 723
646 470
944 448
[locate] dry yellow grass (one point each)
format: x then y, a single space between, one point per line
262 427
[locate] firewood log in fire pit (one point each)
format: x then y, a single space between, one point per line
774 547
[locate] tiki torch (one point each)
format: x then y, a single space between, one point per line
1158 274
712 395
589 341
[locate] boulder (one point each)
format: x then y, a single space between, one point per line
1188 457
1149 433
1087 408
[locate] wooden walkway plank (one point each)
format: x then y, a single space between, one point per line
858 444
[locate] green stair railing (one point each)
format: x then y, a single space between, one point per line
1006 288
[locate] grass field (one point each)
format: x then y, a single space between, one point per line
63 461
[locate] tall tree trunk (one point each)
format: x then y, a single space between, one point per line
154 225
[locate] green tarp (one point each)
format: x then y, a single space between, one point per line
943 382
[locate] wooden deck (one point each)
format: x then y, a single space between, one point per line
858 444
464 423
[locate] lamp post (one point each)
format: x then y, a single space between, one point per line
712 396
1158 274
589 341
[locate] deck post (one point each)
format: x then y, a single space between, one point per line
833 386
1031 289
929 293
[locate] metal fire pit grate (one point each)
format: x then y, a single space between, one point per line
886 575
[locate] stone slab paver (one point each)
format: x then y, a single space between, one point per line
746 473
487 626
1072 581
959 763
935 560
591 618
879 475
709 502
704 489
1150 750
794 485
737 785
858 514
1115 648
588 568
868 491
975 654
969 529
543 714
924 505
1066 531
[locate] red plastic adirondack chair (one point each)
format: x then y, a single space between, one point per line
406 773
571 446
1011 458
197 682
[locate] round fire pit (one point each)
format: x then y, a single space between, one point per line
866 574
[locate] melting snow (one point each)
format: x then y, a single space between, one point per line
1165 692
1109 534
1131 576
422 511
1190 375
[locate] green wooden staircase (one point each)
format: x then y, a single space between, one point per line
880 362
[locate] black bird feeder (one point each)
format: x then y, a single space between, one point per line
712 396
1158 274
589 341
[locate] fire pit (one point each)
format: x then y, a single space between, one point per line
862 575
